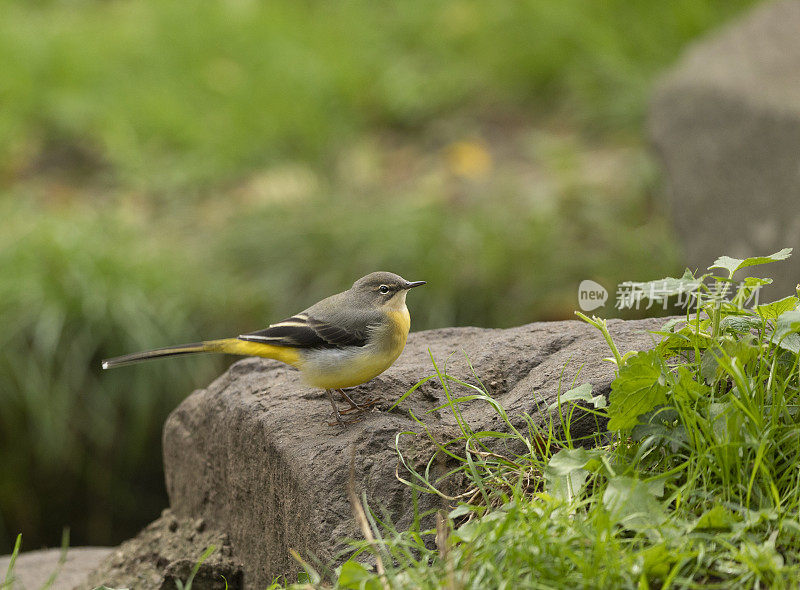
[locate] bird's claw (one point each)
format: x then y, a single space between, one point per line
354 407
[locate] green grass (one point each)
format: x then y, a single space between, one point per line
196 568
10 580
71 287
693 485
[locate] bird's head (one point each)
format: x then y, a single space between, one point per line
384 289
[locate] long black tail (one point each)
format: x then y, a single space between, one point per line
129 359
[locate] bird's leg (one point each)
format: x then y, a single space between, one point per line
335 408
354 407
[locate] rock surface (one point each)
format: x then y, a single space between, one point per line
165 551
32 569
726 124
255 457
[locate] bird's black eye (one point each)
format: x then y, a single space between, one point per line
383 289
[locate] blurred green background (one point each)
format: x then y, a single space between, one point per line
174 171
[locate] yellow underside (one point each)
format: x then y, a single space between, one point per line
354 370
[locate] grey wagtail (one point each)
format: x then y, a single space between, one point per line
342 341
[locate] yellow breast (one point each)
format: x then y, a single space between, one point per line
400 325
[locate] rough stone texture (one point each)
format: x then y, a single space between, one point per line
32 569
255 456
726 123
165 551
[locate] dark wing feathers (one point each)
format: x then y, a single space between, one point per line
337 334
302 331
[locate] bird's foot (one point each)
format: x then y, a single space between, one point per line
367 405
354 407
338 413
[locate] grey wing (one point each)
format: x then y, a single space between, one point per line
304 331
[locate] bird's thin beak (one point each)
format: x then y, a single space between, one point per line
412 284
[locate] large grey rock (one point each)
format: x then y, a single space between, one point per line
33 569
255 457
726 123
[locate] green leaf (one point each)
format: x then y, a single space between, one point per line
744 349
684 339
771 311
762 557
460 510
354 576
709 364
671 323
639 387
567 487
581 393
740 324
632 503
751 282
734 264
468 531
670 285
568 469
658 560
568 460
717 519
791 342
664 426
686 388
661 289
786 328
